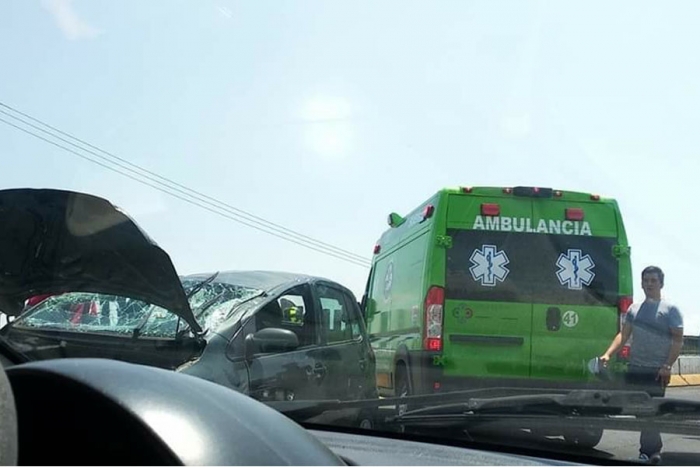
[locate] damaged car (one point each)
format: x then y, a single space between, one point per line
107 290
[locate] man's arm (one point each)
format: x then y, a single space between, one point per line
620 339
676 328
676 346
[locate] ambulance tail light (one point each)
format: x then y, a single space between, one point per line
623 304
490 209
434 306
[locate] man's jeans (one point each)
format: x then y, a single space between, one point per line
644 379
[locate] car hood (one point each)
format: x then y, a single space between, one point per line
54 241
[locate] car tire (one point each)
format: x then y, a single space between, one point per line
366 420
584 437
402 389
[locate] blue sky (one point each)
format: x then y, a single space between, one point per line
326 116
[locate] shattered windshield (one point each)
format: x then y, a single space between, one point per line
214 302
97 313
91 312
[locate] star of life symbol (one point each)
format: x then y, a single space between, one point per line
575 270
489 265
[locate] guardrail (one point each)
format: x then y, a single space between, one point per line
691 345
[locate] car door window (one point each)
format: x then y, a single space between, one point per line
354 316
291 311
339 320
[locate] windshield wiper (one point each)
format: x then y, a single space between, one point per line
615 409
525 408
205 306
303 408
201 285
236 305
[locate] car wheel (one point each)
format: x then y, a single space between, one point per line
584 437
366 420
403 389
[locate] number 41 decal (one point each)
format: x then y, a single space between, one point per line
570 319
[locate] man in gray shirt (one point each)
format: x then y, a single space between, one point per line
656 329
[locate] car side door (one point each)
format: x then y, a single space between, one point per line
345 353
291 373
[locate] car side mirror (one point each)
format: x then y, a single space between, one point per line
367 307
270 340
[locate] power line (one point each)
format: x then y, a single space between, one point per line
203 206
208 206
155 177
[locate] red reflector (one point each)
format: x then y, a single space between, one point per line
377 249
507 191
624 304
436 385
490 209
434 343
467 189
595 197
428 211
574 214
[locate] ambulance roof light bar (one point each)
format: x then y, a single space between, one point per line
532 192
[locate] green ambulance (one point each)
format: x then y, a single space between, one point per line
485 287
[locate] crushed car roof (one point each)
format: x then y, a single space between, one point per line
266 281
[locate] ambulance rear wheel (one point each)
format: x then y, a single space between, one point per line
584 437
402 389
